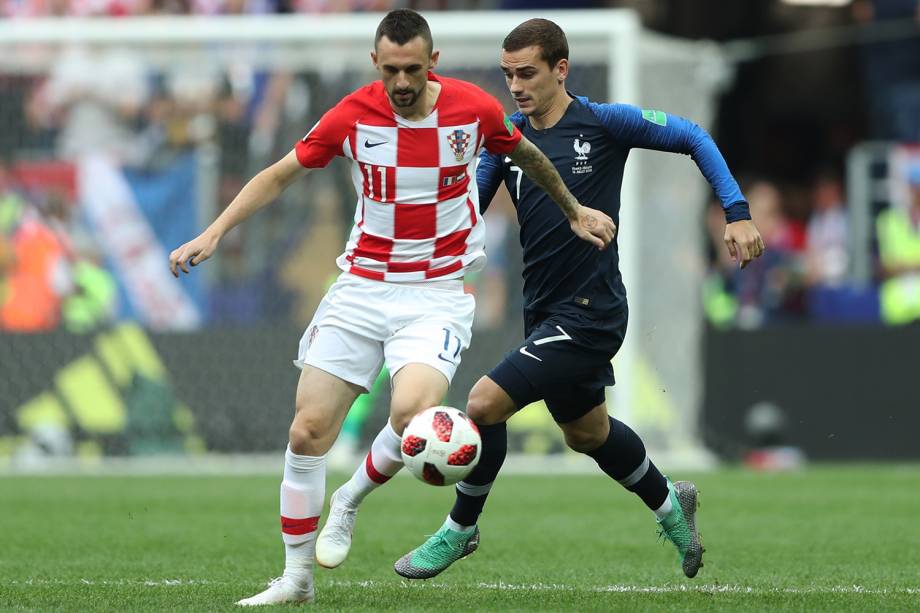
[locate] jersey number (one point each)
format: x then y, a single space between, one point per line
520 175
375 183
447 344
564 336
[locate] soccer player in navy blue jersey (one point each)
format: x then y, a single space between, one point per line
575 309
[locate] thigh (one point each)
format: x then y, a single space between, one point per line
435 332
554 360
345 336
344 354
571 404
321 404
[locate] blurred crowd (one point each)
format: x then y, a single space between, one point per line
805 274
122 8
230 121
240 118
51 274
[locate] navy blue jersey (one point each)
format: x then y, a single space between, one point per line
589 146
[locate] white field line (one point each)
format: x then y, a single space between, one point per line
502 586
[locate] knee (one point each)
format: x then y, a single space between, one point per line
306 437
583 441
310 434
403 410
483 408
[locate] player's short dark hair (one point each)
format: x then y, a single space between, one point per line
401 26
542 33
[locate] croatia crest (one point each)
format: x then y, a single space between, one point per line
459 141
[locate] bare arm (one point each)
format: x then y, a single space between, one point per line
261 190
591 225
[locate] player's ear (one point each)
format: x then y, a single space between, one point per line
561 70
374 58
433 61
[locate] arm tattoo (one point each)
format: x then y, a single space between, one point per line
542 172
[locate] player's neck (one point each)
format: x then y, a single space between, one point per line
553 113
423 106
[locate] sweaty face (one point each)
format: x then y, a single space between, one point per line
532 83
404 69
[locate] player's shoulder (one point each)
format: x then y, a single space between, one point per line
601 110
610 115
468 93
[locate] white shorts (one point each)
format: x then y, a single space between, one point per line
362 324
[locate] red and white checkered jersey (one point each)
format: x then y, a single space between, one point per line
417 215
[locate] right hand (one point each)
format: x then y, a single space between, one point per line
193 252
743 241
593 226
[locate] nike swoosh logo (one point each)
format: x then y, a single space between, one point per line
528 354
369 144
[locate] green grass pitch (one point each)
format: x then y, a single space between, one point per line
827 538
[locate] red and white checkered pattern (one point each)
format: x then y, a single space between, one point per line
417 215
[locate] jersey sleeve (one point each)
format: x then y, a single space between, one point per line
488 178
326 138
649 129
500 135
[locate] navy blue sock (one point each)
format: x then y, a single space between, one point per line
473 491
623 457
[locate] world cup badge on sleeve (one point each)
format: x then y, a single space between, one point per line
459 141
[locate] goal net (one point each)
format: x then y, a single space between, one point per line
121 139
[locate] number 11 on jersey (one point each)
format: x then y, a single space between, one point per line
379 182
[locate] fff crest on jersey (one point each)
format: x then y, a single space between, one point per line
582 149
458 141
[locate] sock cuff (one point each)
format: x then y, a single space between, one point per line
635 476
391 435
471 489
303 463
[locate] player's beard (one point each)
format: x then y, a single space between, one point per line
407 100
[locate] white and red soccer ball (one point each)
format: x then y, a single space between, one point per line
441 445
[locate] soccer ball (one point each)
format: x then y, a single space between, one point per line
441 445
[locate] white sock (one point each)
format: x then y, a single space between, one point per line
662 511
382 462
302 491
450 523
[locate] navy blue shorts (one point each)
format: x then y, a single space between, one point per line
564 361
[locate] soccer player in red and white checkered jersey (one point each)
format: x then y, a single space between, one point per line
413 139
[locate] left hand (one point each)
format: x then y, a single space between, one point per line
593 226
743 241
